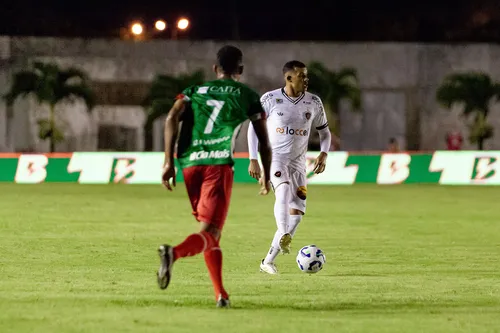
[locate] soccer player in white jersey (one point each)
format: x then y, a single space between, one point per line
291 113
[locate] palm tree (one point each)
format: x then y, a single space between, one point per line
332 87
51 84
161 97
474 92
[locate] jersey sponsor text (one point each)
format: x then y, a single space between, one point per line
291 131
211 141
202 155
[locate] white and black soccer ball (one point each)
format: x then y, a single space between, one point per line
311 259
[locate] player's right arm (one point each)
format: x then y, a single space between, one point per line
258 135
253 142
253 147
260 128
170 133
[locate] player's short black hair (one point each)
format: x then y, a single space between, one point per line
291 65
230 59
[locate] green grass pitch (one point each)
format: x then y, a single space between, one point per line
76 258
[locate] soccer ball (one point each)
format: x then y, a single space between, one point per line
311 259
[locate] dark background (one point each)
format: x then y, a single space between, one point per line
426 21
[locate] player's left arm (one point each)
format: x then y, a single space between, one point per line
325 137
170 133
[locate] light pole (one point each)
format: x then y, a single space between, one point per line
160 25
182 25
137 29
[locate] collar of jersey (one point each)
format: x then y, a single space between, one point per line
294 101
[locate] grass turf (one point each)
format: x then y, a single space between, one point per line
76 258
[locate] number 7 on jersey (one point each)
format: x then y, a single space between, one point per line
217 105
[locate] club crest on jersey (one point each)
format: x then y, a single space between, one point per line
279 100
277 174
308 115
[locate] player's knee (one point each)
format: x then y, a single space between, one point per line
282 192
211 229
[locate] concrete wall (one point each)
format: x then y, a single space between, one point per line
4 145
398 81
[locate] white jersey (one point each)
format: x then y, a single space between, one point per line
289 123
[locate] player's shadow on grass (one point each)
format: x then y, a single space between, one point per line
350 275
372 307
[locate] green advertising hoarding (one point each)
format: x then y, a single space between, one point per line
343 168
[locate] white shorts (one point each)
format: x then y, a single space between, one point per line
281 172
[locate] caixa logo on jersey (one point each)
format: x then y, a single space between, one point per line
202 155
291 131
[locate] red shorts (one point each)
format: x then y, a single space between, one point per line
209 189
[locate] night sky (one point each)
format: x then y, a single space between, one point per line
256 20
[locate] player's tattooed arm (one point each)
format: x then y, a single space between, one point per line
171 130
253 148
260 128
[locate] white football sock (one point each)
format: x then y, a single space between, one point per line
282 207
275 248
294 223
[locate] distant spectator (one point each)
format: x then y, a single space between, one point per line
393 146
454 140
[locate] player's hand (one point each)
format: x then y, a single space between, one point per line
254 169
265 186
168 175
320 163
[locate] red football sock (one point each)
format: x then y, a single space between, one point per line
213 259
194 244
